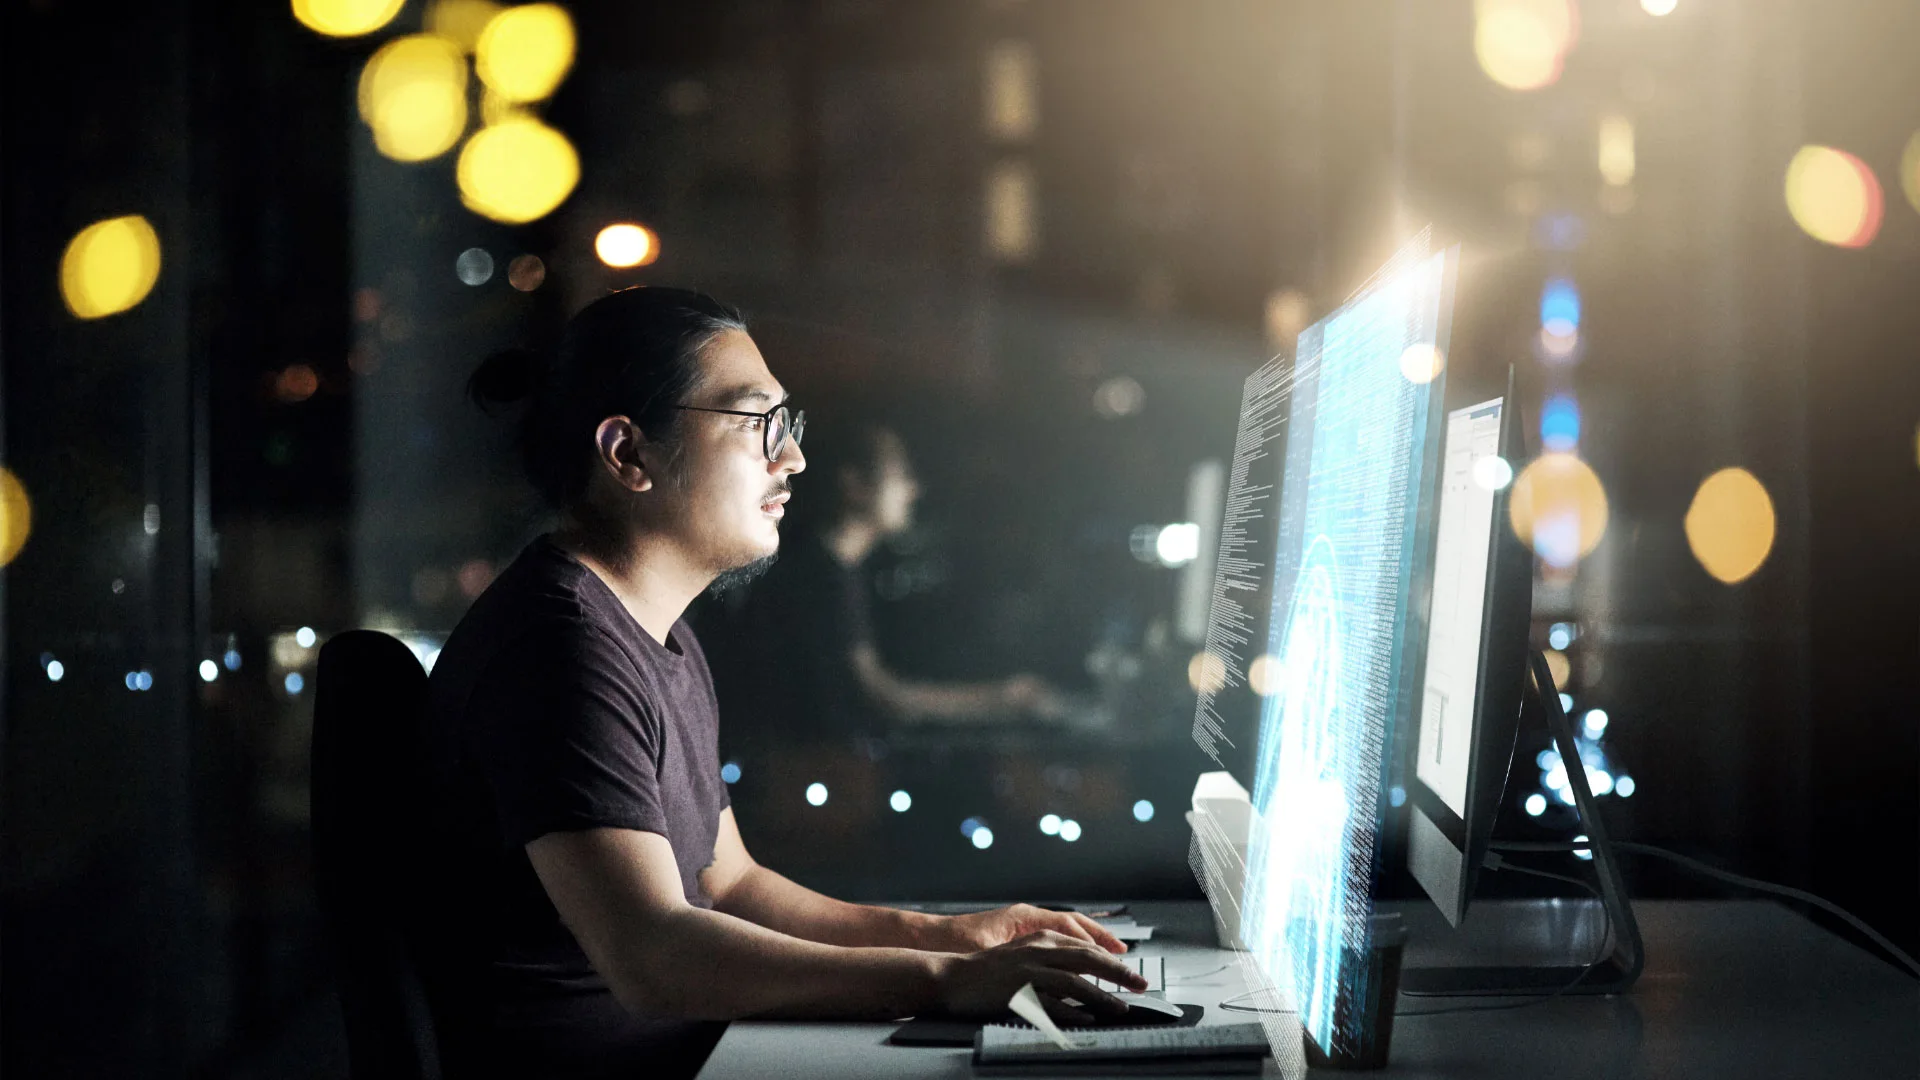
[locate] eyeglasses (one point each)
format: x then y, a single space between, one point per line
777 425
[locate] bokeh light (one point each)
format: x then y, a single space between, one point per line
1616 150
1536 804
461 21
474 266
517 171
1523 44
730 773
1422 363
209 671
345 18
816 794
1560 423
982 838
1659 7
1143 810
1910 171
900 801
1050 824
1119 396
1265 673
1834 197
526 272
1206 673
413 94
1287 313
1559 667
1069 830
626 244
1730 525
1492 472
110 266
296 383
1560 307
1559 508
525 51
16 516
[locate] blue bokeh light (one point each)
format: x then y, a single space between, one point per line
1143 810
295 683
1560 423
730 773
1560 307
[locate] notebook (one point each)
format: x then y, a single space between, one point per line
1001 1050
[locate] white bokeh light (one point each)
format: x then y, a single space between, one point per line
1069 830
900 801
816 794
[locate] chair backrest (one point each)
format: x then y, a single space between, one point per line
370 791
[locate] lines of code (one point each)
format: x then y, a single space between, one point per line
1333 554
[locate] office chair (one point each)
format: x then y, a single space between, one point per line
369 785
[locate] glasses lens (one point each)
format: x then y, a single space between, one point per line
777 433
799 427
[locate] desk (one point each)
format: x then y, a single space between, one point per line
1743 989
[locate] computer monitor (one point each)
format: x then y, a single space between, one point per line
1479 678
1468 704
1360 409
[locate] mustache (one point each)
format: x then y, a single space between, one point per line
777 491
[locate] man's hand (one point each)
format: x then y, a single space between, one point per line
988 929
979 986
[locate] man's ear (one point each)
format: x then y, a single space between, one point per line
617 444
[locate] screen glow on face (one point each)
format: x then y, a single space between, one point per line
1357 436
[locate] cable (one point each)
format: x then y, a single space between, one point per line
1741 880
1185 980
1495 862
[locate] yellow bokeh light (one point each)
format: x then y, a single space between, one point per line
413 94
16 516
1730 525
461 21
1834 196
1910 171
1559 667
517 171
1206 673
1012 233
345 18
110 266
1659 7
1265 675
1616 150
625 245
1522 44
525 51
1422 363
1558 508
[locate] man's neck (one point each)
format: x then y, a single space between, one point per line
649 575
851 541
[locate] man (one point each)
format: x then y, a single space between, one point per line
600 903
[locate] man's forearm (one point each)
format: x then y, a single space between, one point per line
711 965
766 897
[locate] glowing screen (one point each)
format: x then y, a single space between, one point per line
1357 435
1465 537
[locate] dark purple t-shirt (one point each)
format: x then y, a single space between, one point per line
554 711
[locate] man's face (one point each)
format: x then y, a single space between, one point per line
724 499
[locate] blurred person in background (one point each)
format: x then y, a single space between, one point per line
810 622
595 909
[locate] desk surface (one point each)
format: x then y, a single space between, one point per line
1745 989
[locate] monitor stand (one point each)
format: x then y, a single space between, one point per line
1621 966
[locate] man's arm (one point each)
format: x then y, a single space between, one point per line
619 892
913 701
742 887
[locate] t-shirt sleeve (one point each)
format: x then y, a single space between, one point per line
561 730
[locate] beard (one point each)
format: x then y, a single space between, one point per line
739 576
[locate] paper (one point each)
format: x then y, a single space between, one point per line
1026 1005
